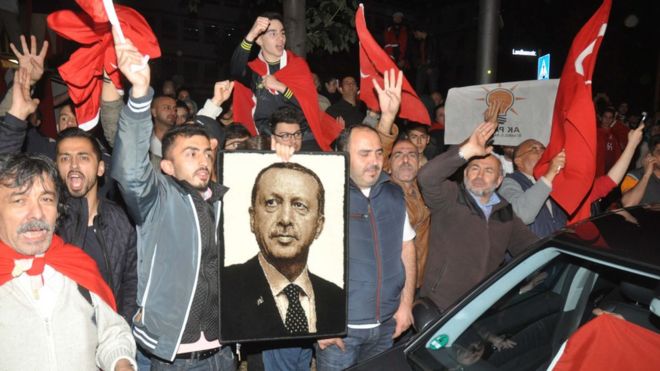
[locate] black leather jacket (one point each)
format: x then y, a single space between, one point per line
117 238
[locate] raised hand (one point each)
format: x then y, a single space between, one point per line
30 59
22 104
222 91
477 143
128 55
389 96
490 115
635 136
260 26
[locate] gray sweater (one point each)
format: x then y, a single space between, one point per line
76 336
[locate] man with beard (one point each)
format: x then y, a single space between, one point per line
273 294
177 213
381 258
471 227
93 222
56 312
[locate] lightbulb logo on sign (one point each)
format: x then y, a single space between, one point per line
527 108
507 99
505 96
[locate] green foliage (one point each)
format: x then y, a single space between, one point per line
330 25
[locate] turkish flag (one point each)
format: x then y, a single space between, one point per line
574 120
373 64
83 73
609 343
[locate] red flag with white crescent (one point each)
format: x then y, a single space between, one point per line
373 64
574 120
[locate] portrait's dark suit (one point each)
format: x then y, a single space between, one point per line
248 310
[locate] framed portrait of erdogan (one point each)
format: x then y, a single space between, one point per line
284 267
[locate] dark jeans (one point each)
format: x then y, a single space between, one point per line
287 359
361 344
221 361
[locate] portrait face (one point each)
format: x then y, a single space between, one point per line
528 155
79 166
273 41
419 138
181 115
190 159
366 157
163 111
67 118
286 217
288 134
28 216
482 176
404 162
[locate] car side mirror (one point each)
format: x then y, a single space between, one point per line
424 312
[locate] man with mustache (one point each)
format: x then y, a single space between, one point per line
177 213
96 224
56 311
404 161
471 227
93 222
274 294
381 259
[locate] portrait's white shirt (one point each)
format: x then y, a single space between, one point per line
277 282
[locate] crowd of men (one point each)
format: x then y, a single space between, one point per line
128 234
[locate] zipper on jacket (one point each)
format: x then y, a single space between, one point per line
51 344
379 273
442 272
96 223
199 263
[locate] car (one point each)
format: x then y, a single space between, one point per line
520 316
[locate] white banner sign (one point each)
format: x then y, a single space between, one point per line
528 110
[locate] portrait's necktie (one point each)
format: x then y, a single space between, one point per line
296 320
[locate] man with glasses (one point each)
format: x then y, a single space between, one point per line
286 125
530 197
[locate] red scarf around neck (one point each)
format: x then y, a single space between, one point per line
67 259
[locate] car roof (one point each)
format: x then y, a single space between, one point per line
630 236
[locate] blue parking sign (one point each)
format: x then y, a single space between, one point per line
543 71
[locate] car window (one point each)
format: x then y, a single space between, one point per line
527 325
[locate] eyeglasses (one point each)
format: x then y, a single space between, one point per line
287 136
534 149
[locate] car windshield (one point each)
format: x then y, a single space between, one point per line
527 325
